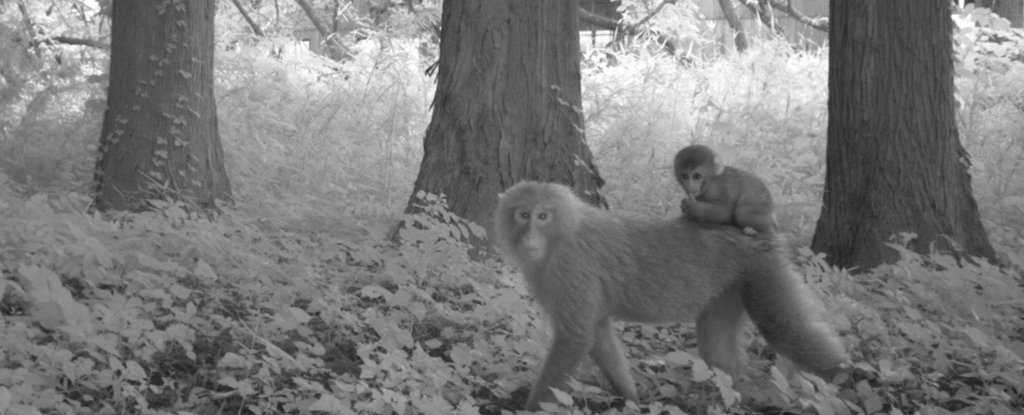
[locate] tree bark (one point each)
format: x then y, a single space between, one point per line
894 158
507 106
159 138
729 11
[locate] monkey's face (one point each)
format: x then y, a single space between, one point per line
693 181
533 223
695 166
532 219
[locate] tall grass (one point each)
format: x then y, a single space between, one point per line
320 144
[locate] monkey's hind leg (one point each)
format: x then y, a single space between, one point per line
719 330
791 318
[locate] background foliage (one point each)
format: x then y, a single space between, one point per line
291 303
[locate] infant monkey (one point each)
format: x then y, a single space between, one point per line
723 194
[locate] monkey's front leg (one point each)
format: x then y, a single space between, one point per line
705 211
610 357
567 350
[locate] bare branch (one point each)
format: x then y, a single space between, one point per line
245 15
25 18
67 40
819 23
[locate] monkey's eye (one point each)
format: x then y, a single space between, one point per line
684 176
542 216
697 176
524 214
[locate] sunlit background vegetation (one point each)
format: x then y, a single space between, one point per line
292 301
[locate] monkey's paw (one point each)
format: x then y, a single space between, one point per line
687 205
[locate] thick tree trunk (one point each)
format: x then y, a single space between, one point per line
894 159
159 138
507 106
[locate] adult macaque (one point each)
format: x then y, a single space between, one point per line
586 266
723 194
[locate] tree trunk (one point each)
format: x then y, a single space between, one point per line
894 159
159 138
1012 10
507 106
729 11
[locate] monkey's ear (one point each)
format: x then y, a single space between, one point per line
717 165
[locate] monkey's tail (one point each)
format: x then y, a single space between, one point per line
791 318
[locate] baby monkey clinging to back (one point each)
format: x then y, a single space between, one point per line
723 194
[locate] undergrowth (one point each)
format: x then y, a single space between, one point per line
289 301
164 312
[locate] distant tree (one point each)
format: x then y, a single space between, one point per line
507 106
159 138
894 158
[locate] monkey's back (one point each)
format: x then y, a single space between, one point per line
738 183
653 270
